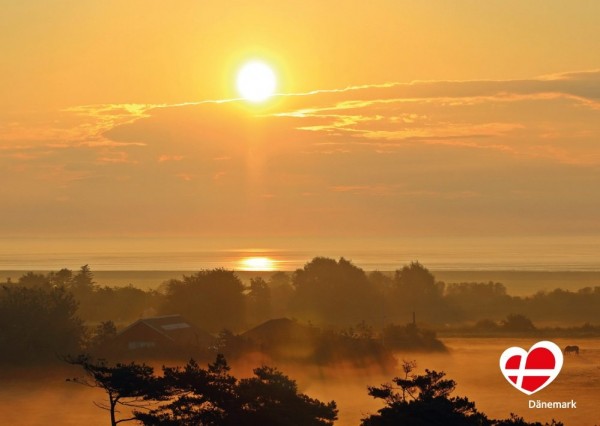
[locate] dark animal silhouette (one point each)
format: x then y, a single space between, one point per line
571 350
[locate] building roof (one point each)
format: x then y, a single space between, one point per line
281 330
173 327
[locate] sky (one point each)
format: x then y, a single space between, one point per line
392 118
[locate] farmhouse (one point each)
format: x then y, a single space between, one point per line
162 334
283 338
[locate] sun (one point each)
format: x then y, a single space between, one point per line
257 264
256 81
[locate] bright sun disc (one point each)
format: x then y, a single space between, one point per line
258 264
256 81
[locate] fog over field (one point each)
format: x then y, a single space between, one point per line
41 397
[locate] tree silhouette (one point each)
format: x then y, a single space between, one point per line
83 281
61 278
32 280
104 333
415 290
272 399
424 400
212 299
37 324
518 322
200 396
259 298
126 385
192 395
336 292
281 293
214 397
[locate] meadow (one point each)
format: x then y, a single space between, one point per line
41 396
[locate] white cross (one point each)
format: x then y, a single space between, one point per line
522 371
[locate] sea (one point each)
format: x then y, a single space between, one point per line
581 253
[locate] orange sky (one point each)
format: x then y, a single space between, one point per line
395 118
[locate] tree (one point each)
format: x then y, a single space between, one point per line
272 399
424 400
515 420
486 325
518 323
119 303
95 303
281 294
381 281
126 385
212 299
83 281
279 279
415 290
336 292
104 332
259 298
411 337
416 279
37 324
472 300
61 278
200 396
214 397
31 280
356 345
417 284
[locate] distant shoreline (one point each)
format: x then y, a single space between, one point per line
517 282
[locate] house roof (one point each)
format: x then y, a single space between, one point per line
281 330
173 327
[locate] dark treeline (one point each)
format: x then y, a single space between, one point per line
94 302
44 314
324 291
191 395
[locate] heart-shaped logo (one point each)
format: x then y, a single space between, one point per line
534 370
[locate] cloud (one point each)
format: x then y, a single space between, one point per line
116 158
420 110
219 175
376 189
509 116
426 156
165 157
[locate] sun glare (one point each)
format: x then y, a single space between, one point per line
257 264
256 81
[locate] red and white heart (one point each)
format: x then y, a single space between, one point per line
534 370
